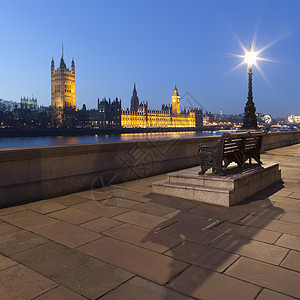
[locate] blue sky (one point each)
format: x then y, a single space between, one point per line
156 44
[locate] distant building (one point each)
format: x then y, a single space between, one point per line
63 85
169 116
294 119
28 103
208 119
109 113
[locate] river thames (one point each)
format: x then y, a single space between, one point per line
17 142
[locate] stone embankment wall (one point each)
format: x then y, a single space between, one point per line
29 174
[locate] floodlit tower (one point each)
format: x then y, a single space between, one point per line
175 102
62 85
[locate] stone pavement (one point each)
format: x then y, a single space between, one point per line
123 242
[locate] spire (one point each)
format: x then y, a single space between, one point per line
134 100
175 93
62 62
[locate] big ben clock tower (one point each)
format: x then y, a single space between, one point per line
175 102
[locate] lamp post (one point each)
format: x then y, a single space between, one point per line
250 120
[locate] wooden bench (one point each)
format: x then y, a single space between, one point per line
230 148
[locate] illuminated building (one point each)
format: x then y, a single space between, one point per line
293 119
28 103
109 113
169 116
62 85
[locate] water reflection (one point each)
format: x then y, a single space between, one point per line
157 135
16 142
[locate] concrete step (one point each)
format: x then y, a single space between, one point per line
213 195
227 190
209 181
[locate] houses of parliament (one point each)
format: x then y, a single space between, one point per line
169 116
110 114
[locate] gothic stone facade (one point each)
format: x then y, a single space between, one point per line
62 85
169 116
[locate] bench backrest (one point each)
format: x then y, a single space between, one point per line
244 143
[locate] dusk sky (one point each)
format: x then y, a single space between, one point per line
154 44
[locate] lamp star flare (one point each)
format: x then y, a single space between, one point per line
250 119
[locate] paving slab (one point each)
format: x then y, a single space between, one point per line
67 234
94 207
250 248
92 278
11 210
69 199
249 232
74 216
19 241
140 197
295 195
101 224
193 233
269 212
153 209
204 284
289 241
92 195
6 262
284 200
271 295
291 217
45 206
265 275
172 202
150 265
139 288
292 261
203 256
219 213
6 228
50 258
20 282
275 225
28 219
60 293
144 220
120 202
152 240
192 219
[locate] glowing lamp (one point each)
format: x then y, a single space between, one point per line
250 57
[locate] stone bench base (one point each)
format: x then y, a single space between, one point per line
226 190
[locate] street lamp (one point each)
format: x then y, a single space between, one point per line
250 120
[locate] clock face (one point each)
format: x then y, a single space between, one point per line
174 100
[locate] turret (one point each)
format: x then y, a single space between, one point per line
73 66
52 66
